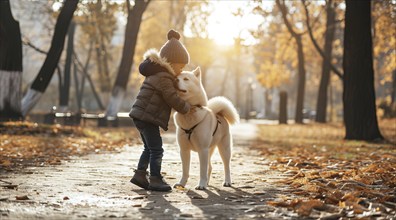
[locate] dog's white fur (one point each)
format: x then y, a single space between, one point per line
206 117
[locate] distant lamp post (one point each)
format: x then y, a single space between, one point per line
252 112
249 98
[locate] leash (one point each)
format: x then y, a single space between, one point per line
190 131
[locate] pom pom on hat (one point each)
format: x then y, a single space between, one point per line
173 50
173 34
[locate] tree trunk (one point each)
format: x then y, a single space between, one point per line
77 87
64 89
103 83
237 74
46 72
360 116
393 90
84 70
10 65
301 81
105 62
101 63
103 56
268 103
131 35
331 102
321 104
283 107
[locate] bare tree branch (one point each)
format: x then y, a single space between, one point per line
283 9
84 71
27 42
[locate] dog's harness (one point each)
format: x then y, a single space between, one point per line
190 131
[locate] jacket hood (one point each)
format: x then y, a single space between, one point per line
153 63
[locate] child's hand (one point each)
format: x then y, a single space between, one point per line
194 108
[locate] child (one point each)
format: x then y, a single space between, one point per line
153 105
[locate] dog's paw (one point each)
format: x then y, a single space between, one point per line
178 186
200 187
227 184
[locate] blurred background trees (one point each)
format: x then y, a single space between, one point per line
99 36
384 41
249 51
10 64
326 53
296 30
272 60
134 20
47 70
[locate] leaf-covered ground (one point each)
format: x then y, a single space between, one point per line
327 173
327 176
31 144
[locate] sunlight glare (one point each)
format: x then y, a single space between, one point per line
56 6
224 27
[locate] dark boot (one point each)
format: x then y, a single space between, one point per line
157 183
140 179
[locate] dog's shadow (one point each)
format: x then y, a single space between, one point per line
224 203
213 203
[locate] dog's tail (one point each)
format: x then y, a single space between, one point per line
222 106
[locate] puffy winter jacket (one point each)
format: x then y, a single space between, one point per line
157 95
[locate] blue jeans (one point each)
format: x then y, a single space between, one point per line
153 151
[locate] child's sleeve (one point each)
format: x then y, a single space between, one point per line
171 97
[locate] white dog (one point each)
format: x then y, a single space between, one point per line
203 128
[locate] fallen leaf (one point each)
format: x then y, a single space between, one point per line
304 208
24 197
279 204
6 163
9 186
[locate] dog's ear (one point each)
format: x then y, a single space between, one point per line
197 72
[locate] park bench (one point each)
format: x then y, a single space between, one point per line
72 119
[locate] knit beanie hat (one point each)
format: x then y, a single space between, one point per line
173 50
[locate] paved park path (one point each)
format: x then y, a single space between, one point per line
97 186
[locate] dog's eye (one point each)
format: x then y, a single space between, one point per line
185 79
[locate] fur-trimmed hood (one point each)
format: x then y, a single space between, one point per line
158 94
153 63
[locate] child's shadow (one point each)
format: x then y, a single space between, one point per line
157 205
